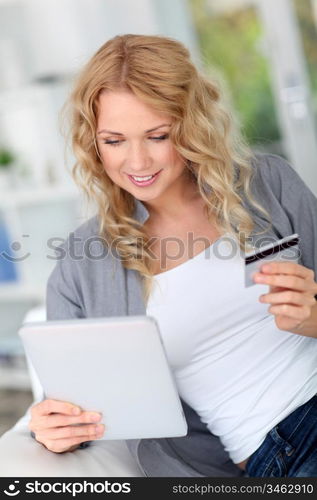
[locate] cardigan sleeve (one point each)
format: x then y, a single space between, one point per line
61 302
62 296
292 200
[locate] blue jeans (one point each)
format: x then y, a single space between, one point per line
290 448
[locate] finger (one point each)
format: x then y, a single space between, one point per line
49 406
295 312
62 445
283 280
51 421
288 297
288 268
87 432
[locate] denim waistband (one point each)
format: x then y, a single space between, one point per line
282 440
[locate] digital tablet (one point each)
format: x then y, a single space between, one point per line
116 366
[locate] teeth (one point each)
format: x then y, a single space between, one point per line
142 178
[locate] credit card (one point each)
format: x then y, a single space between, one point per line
285 250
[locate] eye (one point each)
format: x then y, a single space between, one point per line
112 143
160 138
117 143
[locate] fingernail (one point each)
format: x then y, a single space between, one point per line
99 429
76 411
266 268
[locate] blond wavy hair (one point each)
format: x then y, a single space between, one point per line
158 70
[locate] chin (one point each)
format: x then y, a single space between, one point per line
144 197
142 194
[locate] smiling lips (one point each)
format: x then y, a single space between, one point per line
144 181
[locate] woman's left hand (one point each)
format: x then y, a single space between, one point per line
292 293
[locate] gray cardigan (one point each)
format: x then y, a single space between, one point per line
89 281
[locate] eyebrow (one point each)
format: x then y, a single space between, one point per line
119 133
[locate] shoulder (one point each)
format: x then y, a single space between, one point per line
90 228
271 167
83 250
85 235
64 295
273 173
274 168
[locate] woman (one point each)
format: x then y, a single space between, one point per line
154 150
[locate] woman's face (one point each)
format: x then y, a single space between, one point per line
134 145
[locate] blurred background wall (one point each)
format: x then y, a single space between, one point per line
263 53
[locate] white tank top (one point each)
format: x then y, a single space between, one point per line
231 363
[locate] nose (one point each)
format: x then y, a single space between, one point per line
138 160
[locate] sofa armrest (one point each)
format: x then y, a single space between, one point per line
23 456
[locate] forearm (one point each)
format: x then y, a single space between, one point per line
309 327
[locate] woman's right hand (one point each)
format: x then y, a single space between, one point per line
52 423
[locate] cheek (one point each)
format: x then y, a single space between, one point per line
177 160
111 162
173 158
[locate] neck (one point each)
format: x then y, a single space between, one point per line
176 201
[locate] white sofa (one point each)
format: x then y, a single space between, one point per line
23 456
